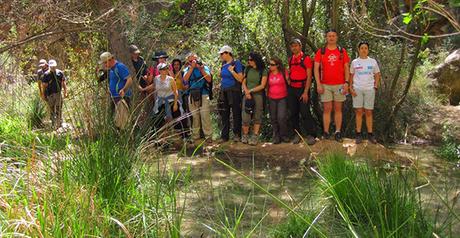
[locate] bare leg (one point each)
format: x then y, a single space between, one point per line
338 115
359 119
327 115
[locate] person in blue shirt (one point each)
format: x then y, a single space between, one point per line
119 79
230 97
198 78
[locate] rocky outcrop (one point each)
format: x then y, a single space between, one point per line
446 77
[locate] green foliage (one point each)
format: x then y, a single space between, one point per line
36 114
450 147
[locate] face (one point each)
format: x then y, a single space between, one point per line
295 48
134 55
109 63
251 62
176 65
162 60
192 58
164 72
273 65
331 38
224 56
44 67
363 50
53 69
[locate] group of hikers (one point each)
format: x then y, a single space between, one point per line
180 93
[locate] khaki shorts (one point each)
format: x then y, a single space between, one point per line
332 93
364 99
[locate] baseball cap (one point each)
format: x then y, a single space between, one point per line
42 63
226 48
105 57
296 41
52 63
162 66
133 49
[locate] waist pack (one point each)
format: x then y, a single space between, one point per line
249 105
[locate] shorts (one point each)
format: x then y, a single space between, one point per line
332 93
364 98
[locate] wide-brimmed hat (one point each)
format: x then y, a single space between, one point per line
159 54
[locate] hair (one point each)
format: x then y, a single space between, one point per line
363 43
260 64
180 65
280 66
331 30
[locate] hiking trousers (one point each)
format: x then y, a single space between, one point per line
300 115
230 100
278 117
54 102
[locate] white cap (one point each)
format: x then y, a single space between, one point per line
225 48
42 63
52 63
105 57
162 66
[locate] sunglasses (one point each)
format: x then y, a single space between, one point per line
223 53
273 64
251 59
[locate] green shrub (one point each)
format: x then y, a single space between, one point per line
450 147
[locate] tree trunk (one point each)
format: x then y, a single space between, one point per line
397 106
334 14
285 26
400 63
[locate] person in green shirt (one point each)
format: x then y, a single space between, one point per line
255 79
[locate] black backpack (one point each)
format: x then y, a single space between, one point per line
237 86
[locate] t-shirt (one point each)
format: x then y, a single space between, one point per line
163 87
179 81
118 76
277 87
228 80
54 81
297 72
364 71
141 70
253 77
197 80
332 67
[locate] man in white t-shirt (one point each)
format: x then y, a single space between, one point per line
365 78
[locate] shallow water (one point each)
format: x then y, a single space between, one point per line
215 188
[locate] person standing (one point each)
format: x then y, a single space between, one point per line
332 81
232 76
120 79
198 77
277 92
54 83
300 75
43 68
365 78
255 79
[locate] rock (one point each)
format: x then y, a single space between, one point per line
446 77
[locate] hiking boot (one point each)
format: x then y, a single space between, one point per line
359 138
296 139
276 140
325 136
236 138
338 137
372 139
311 140
254 140
245 139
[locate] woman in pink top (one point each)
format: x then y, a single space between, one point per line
277 97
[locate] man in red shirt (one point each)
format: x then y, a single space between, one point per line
332 74
300 67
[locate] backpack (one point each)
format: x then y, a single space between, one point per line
237 85
121 116
302 64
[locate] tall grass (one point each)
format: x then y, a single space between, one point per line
374 202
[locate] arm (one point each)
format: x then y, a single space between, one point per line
304 97
262 85
129 81
176 94
319 87
347 78
377 80
189 73
64 87
205 74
